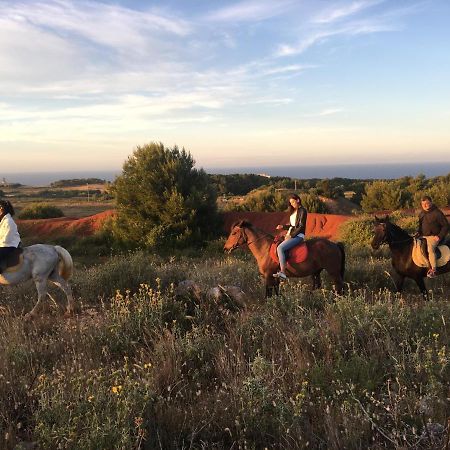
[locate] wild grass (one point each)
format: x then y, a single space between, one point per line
309 369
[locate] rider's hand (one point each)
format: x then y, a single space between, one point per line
279 227
287 237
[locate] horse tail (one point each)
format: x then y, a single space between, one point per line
342 249
65 263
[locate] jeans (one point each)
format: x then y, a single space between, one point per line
284 247
431 244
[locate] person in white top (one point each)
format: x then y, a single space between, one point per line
9 235
295 234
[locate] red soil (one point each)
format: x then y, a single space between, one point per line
324 225
63 226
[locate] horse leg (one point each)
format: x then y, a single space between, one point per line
399 281
59 281
421 283
316 280
41 287
338 282
272 286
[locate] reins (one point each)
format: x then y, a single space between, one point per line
246 242
387 239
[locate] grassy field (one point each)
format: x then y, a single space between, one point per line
140 368
73 205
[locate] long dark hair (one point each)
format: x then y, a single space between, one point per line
295 197
7 207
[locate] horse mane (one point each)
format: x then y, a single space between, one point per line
242 224
246 224
396 232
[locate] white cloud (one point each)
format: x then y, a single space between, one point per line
342 11
251 11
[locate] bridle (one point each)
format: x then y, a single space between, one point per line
245 240
387 240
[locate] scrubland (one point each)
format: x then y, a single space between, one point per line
139 368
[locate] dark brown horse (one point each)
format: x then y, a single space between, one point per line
401 245
322 254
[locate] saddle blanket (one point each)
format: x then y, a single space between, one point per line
296 255
421 259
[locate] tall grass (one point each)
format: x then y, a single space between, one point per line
369 369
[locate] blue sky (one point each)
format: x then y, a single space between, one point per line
244 83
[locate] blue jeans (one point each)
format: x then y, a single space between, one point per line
284 247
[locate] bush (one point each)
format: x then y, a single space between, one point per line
162 200
357 232
40 211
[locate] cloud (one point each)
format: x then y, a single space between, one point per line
343 11
251 11
317 36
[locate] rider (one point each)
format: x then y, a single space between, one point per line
433 226
9 236
296 232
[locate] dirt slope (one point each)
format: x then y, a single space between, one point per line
63 226
325 225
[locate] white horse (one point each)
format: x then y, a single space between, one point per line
41 263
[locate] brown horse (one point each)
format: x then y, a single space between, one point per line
401 245
322 254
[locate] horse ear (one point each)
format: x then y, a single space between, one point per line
376 219
386 219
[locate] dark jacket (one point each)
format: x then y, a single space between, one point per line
300 222
433 223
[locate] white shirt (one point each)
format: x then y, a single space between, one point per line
292 220
9 236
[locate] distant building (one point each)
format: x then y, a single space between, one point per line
264 175
349 194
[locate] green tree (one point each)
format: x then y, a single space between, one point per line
162 199
381 195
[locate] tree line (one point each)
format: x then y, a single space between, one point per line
162 199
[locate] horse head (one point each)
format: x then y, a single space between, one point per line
381 232
237 237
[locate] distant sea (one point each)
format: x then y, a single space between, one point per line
356 171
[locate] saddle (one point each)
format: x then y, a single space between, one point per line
13 261
420 253
296 255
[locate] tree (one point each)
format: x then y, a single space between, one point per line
381 195
162 199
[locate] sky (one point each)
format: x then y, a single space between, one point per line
236 83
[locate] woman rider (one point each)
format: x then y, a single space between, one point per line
296 232
9 236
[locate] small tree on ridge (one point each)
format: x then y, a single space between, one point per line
162 199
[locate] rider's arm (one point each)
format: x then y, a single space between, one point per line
444 226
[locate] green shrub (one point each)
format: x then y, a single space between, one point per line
357 232
40 211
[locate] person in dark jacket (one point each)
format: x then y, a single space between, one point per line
296 229
433 226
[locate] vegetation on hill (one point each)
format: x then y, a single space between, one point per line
76 182
405 193
40 211
268 199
